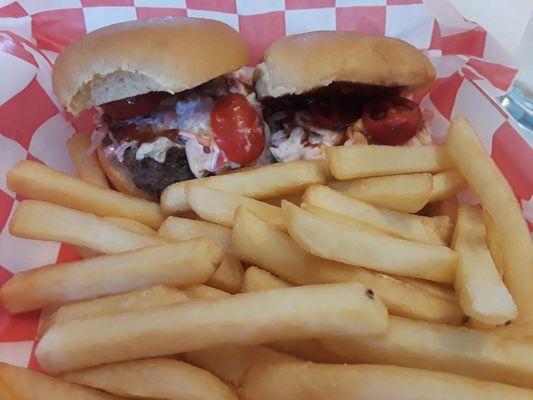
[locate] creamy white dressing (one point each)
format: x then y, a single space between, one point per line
294 147
156 149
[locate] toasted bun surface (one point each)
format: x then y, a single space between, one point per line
137 57
300 63
120 176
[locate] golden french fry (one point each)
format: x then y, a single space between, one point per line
259 183
257 279
342 220
132 225
374 160
156 378
261 244
405 193
482 294
134 300
39 182
5 391
315 311
498 199
34 219
493 243
437 289
230 363
219 207
126 223
446 184
417 344
175 228
228 276
306 381
205 292
178 264
26 384
398 224
306 349
516 331
353 246
87 165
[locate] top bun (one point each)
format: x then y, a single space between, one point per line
300 63
137 57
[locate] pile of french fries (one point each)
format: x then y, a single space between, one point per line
357 277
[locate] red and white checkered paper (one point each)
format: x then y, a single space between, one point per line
472 70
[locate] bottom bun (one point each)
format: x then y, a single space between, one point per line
119 176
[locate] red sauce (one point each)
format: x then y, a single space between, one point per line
132 107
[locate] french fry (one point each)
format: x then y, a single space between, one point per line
417 344
482 294
205 292
134 300
5 392
39 182
516 331
306 349
26 384
402 225
261 244
175 228
474 324
367 161
156 378
446 184
132 225
219 207
405 193
34 219
230 363
228 276
498 199
259 183
353 246
126 223
437 289
342 220
243 319
179 264
257 279
493 243
306 381
87 165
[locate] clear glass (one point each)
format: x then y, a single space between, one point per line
518 101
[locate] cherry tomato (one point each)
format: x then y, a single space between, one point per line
333 114
392 121
132 107
237 129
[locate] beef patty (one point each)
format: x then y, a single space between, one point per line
153 176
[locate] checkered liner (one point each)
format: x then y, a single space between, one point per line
472 70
